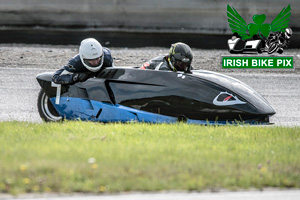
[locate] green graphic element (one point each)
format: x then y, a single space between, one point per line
229 62
238 24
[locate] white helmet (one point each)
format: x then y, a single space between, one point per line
91 49
288 33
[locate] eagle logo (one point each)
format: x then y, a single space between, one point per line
247 31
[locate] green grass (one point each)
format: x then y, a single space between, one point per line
92 157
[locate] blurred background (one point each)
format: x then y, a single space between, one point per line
133 23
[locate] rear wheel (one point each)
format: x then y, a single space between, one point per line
46 109
280 50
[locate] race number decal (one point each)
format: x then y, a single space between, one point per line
58 91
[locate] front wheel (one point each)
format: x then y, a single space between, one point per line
273 48
46 109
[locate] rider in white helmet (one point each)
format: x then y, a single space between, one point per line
91 59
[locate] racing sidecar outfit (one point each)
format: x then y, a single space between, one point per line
75 71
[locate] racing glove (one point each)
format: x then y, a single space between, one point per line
80 77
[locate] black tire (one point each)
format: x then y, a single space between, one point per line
280 50
273 48
46 109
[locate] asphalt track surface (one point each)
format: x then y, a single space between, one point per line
19 90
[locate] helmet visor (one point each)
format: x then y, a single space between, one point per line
182 66
93 62
180 57
181 62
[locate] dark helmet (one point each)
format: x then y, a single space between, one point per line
180 57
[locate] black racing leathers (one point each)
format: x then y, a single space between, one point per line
161 63
157 63
75 71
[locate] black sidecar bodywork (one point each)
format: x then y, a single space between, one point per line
121 94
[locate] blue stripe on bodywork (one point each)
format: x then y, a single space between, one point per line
84 109
76 108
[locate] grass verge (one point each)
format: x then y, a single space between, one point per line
91 157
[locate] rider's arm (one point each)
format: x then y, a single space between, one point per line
69 73
63 76
153 63
146 65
